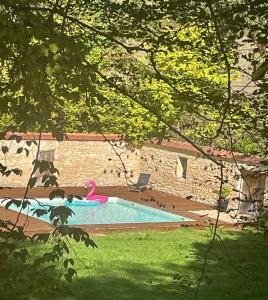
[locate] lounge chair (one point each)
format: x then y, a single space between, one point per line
142 183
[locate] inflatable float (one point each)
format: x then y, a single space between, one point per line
90 196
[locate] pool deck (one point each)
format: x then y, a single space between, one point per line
152 198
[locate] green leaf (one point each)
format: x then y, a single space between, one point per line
5 149
45 177
44 51
70 198
68 277
89 242
32 182
7 173
50 268
47 183
8 204
44 166
3 169
76 237
65 263
49 70
71 272
55 221
53 48
18 203
57 56
41 237
57 68
21 254
65 247
40 212
17 171
18 138
25 203
19 150
27 152
56 193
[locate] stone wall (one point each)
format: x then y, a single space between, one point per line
76 161
175 167
196 179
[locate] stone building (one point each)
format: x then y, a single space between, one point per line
176 167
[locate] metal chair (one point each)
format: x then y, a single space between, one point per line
142 183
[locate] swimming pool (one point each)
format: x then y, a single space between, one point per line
115 211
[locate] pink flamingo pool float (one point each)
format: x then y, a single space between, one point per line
91 196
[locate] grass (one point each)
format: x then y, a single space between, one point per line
164 266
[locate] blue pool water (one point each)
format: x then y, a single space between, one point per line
114 211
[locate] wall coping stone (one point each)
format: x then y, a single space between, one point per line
166 144
190 150
67 136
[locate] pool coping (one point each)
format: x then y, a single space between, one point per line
126 203
154 199
34 225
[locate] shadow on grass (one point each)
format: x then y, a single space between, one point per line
241 274
236 270
24 281
19 281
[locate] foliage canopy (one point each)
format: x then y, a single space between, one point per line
141 68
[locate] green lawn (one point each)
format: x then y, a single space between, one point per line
161 266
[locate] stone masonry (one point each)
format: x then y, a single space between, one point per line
175 167
77 161
200 182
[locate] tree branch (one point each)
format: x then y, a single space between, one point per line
158 115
